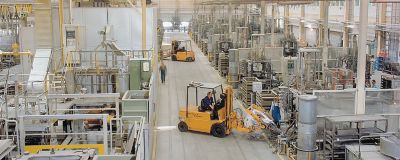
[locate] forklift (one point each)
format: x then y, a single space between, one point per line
192 118
182 51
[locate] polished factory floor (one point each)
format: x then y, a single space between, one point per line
174 145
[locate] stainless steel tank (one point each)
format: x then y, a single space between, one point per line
122 83
307 127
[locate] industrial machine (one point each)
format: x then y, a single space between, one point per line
290 47
250 120
182 51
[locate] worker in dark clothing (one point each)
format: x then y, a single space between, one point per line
220 104
207 103
163 70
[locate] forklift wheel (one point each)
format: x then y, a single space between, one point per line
218 130
182 126
173 58
189 59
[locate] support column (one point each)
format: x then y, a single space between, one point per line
144 26
61 24
362 51
286 21
323 34
382 8
230 19
348 20
263 11
273 26
303 40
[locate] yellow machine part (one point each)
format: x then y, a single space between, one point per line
36 148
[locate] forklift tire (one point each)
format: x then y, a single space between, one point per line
173 58
218 130
182 126
189 59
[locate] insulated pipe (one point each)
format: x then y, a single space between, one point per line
307 127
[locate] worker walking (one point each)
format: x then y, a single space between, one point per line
163 70
276 112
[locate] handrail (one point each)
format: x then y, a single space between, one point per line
387 134
142 121
16 130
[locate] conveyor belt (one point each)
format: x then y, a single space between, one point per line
39 69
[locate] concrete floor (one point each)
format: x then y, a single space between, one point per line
174 145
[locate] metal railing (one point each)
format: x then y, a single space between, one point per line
139 137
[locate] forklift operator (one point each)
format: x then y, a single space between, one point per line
207 103
220 104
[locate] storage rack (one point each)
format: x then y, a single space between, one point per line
223 64
204 47
265 98
216 59
246 89
345 130
243 68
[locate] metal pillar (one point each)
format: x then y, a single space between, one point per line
286 20
303 41
144 25
382 8
307 133
362 51
263 11
323 34
348 20
273 26
230 19
61 23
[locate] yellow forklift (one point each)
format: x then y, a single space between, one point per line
193 118
182 51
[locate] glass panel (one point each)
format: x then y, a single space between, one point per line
382 101
336 102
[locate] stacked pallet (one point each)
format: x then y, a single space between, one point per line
246 89
265 99
243 68
215 61
204 46
223 64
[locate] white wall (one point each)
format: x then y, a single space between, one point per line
126 24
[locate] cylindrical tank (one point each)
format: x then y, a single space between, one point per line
307 131
122 83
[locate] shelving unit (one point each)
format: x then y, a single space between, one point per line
223 64
265 98
246 89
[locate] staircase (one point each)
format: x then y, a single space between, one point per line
58 84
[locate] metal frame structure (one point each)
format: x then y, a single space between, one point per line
102 117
